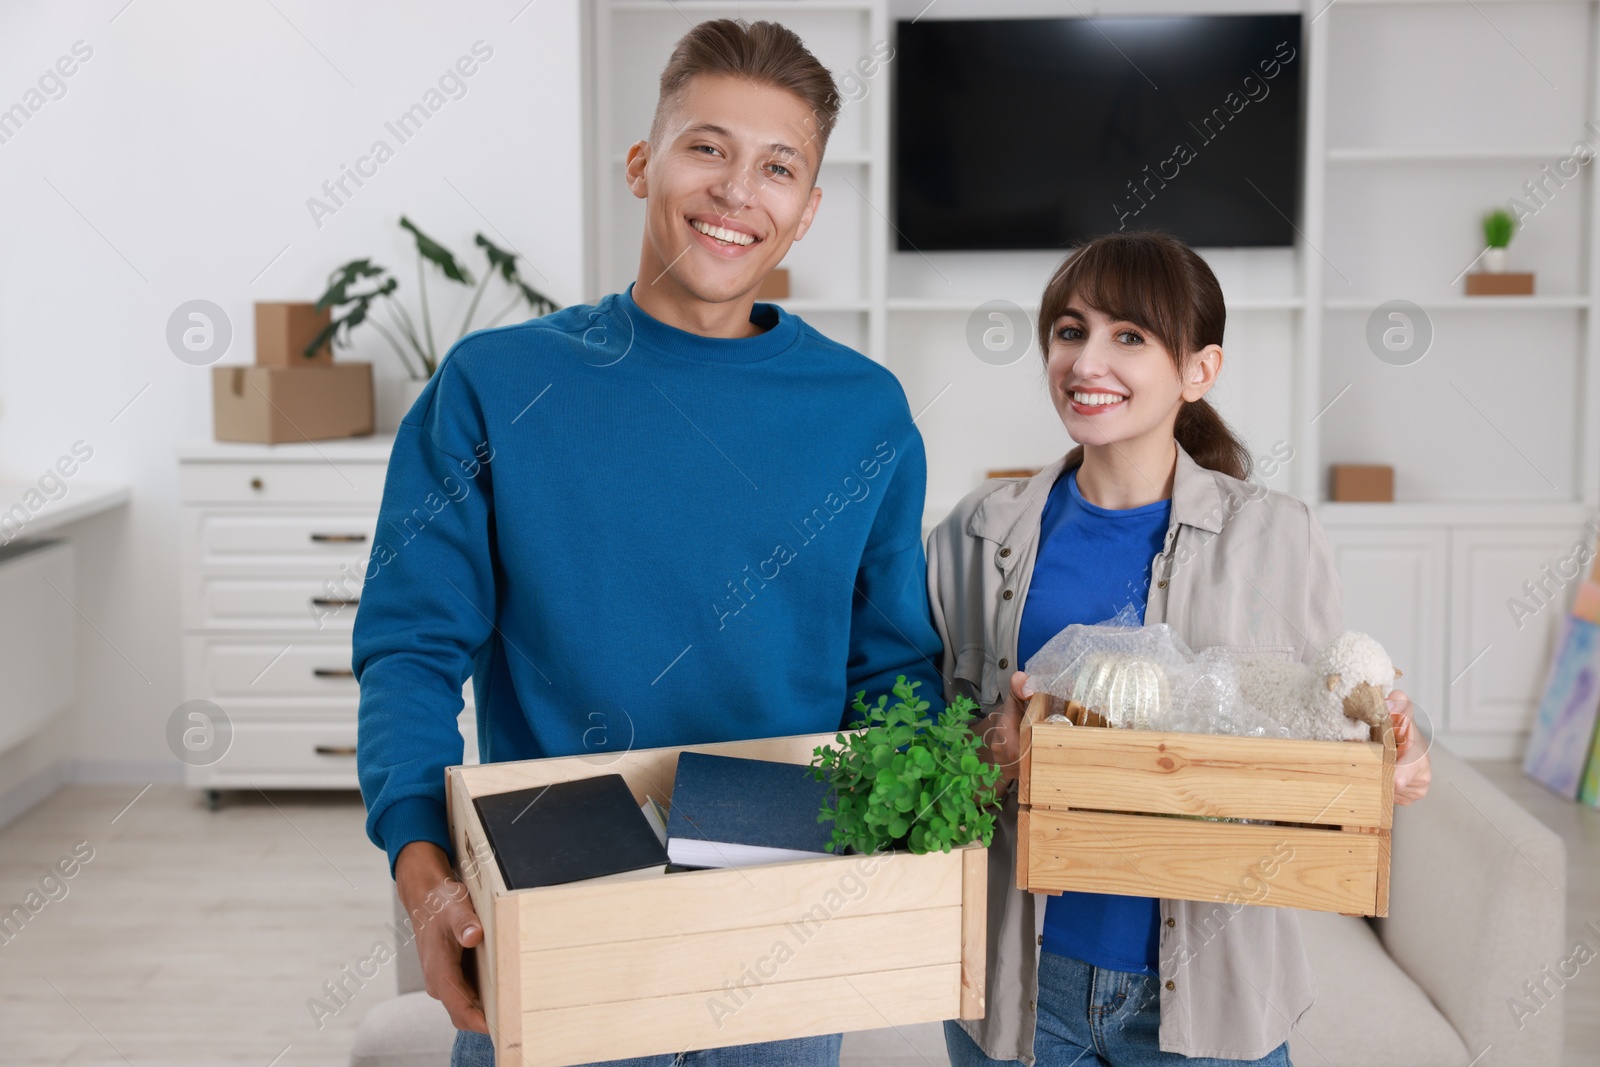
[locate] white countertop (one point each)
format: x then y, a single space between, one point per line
353 449
83 499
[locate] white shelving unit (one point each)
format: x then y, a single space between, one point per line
1418 116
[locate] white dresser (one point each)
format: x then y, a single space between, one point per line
275 539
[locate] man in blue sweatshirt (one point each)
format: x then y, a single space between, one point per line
673 517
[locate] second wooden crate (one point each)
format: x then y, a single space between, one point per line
1096 808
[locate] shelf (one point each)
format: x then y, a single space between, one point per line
961 304
1467 303
1442 155
1452 513
83 501
819 306
1265 303
656 7
334 449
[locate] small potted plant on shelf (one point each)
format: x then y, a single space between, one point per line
1491 277
356 289
904 781
1498 226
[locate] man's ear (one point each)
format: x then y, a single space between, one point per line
638 163
809 213
1201 372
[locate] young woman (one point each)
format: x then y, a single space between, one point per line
1152 508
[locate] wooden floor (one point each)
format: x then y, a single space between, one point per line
198 938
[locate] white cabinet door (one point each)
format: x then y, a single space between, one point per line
219 538
1499 654
38 625
268 482
1393 581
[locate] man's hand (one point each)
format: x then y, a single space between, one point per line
1412 771
444 922
1001 731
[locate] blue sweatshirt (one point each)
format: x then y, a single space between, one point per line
630 536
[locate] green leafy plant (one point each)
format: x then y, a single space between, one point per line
356 289
904 781
1498 226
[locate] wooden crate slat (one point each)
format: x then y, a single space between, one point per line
477 870
1152 856
696 902
649 771
565 1036
974 930
705 963
1099 769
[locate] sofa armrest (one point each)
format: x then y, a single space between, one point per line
1477 908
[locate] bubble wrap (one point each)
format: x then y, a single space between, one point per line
1145 677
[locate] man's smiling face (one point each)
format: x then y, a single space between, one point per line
729 185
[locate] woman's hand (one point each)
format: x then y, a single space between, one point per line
1001 731
1412 771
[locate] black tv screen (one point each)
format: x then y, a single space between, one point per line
1043 133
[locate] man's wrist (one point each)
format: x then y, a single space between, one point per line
419 867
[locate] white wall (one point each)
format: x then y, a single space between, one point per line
176 166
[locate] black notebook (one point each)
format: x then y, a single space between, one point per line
569 831
732 812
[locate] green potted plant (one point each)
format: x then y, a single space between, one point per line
905 781
1498 226
358 288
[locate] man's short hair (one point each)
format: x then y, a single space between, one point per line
764 52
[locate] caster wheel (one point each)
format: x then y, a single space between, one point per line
213 799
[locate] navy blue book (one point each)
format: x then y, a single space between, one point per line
588 828
731 812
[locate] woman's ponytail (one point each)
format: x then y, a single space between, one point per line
1209 440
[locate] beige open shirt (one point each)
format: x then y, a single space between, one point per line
1241 566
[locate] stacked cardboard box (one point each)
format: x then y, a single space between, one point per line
287 396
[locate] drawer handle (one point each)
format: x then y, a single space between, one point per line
333 672
335 601
255 483
351 539
336 750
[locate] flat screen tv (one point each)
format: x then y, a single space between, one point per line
1042 133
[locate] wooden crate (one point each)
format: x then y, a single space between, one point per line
602 970
1094 807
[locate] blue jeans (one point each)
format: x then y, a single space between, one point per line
1094 1017
473 1049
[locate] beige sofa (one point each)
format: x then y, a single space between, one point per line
1477 908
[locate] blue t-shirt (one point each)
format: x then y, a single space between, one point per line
1092 562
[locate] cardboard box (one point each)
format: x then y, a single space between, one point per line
1502 283
1361 482
601 970
284 330
1095 807
774 286
273 405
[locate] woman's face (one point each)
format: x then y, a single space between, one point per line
1110 380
